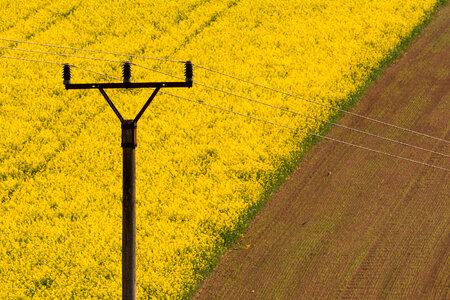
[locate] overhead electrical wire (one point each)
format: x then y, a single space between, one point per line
83 57
93 51
300 114
33 60
213 88
157 71
60 64
325 121
60 54
306 132
236 95
324 105
236 78
87 70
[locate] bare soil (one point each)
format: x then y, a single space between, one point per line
350 223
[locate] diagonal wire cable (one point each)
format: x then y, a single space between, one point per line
258 119
98 73
56 63
92 51
300 114
309 133
61 54
324 105
240 79
157 71
324 121
234 77
33 60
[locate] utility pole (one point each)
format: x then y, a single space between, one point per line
129 143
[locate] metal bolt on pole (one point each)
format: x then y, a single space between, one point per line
129 143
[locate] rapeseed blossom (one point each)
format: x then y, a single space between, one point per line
200 172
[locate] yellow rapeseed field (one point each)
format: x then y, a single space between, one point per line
200 172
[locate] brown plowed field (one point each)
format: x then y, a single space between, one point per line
350 223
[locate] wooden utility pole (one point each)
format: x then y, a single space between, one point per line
129 143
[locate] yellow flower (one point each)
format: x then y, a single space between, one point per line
200 172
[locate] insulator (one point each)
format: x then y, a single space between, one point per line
66 74
188 72
126 72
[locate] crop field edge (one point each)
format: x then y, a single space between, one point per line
288 168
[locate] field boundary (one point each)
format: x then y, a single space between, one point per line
289 166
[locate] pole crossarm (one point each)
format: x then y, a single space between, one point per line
120 85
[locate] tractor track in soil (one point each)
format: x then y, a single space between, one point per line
354 224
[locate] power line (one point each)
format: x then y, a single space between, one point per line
231 76
254 118
300 114
85 57
157 71
33 60
324 105
234 77
309 133
325 121
306 116
240 96
223 91
93 51
62 54
87 70
60 64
